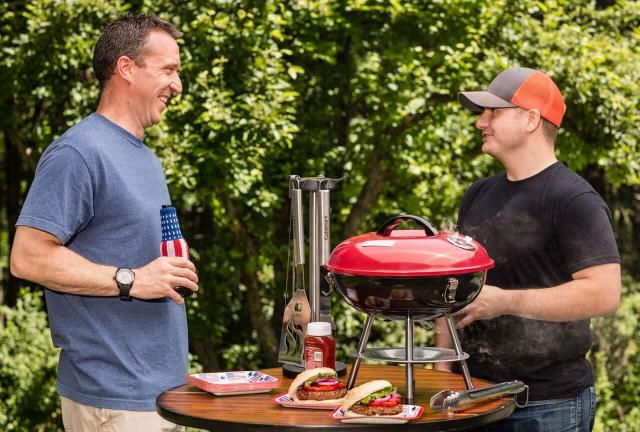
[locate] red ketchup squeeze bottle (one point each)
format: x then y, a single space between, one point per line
319 346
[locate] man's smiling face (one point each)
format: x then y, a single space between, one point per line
155 78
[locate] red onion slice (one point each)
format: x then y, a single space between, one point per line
326 382
394 395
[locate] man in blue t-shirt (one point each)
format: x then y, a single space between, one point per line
556 260
90 233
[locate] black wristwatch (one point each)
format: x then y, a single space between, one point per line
124 278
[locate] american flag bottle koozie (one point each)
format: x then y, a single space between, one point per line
173 244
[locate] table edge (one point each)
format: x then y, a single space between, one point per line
221 425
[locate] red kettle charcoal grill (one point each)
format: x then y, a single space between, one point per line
411 275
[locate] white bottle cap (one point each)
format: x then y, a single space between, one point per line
320 328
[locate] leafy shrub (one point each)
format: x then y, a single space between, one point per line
28 398
616 359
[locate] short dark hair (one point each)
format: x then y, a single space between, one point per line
126 37
549 130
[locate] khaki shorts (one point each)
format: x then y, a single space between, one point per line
82 418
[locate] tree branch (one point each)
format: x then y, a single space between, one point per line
266 337
378 172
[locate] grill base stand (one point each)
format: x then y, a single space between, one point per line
420 355
410 355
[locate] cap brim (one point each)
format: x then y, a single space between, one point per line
479 100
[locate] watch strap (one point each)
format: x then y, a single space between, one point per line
124 289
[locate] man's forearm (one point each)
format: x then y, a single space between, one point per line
575 300
38 257
443 340
593 292
442 335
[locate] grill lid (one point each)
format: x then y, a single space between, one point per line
408 253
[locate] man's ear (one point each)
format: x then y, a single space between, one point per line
124 68
533 120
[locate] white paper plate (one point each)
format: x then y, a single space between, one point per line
285 400
409 412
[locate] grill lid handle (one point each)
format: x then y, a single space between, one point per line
391 224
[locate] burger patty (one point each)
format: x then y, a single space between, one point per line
372 410
320 395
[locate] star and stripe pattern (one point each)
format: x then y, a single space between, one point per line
173 244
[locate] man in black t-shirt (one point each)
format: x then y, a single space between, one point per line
556 260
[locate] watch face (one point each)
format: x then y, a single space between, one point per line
124 276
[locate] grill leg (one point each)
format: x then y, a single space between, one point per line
362 345
408 341
458 349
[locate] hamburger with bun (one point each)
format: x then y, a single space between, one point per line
373 398
319 384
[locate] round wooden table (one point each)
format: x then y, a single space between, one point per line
190 406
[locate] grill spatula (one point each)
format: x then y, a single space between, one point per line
297 313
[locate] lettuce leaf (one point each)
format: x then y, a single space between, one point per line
377 395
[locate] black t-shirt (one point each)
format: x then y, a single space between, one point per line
539 231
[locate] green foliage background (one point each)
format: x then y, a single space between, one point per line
357 88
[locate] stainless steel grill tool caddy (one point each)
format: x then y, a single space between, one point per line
319 189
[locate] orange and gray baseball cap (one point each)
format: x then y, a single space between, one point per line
519 87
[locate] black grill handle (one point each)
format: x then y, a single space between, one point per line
391 224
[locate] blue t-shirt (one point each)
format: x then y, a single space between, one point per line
99 190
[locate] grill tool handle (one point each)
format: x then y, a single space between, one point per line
297 227
509 387
391 224
459 400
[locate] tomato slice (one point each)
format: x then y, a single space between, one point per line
385 404
324 388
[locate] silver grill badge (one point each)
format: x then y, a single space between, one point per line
463 242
